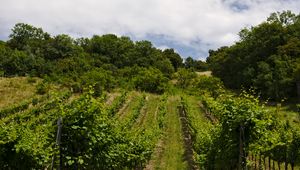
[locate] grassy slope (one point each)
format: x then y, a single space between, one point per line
16 89
171 149
285 113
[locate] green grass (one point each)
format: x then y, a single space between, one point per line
172 156
147 118
130 104
285 113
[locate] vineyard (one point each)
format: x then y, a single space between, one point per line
125 129
117 102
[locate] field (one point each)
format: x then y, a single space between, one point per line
120 129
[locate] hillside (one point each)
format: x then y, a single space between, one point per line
134 129
108 102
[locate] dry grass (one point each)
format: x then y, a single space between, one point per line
204 73
16 89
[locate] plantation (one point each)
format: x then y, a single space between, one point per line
108 102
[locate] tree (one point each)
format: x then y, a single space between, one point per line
265 57
189 62
150 80
285 18
24 35
175 58
196 65
61 46
184 77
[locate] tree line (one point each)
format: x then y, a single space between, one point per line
108 60
267 57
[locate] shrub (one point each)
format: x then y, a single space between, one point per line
42 88
212 85
31 80
184 77
150 80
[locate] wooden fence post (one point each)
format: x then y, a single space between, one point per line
298 89
269 161
58 142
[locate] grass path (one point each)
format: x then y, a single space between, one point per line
147 117
129 105
111 97
171 156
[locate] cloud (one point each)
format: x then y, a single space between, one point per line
190 26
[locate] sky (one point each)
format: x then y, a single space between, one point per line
190 27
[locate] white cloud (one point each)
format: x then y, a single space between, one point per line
201 25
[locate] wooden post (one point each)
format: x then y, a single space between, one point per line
298 89
240 149
255 162
265 165
269 160
58 142
59 124
259 162
242 155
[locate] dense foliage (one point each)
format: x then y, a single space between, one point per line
92 137
241 128
107 60
224 130
266 57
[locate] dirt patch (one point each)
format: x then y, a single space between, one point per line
111 98
208 115
156 156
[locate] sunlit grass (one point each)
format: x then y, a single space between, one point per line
285 113
16 89
173 150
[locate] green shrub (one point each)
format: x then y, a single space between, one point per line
298 107
76 87
150 80
1 73
31 80
101 77
34 101
212 85
184 77
42 88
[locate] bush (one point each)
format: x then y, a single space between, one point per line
31 80
1 73
100 77
76 88
298 108
184 77
42 88
212 85
34 101
150 80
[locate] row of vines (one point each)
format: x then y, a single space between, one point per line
240 133
92 136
